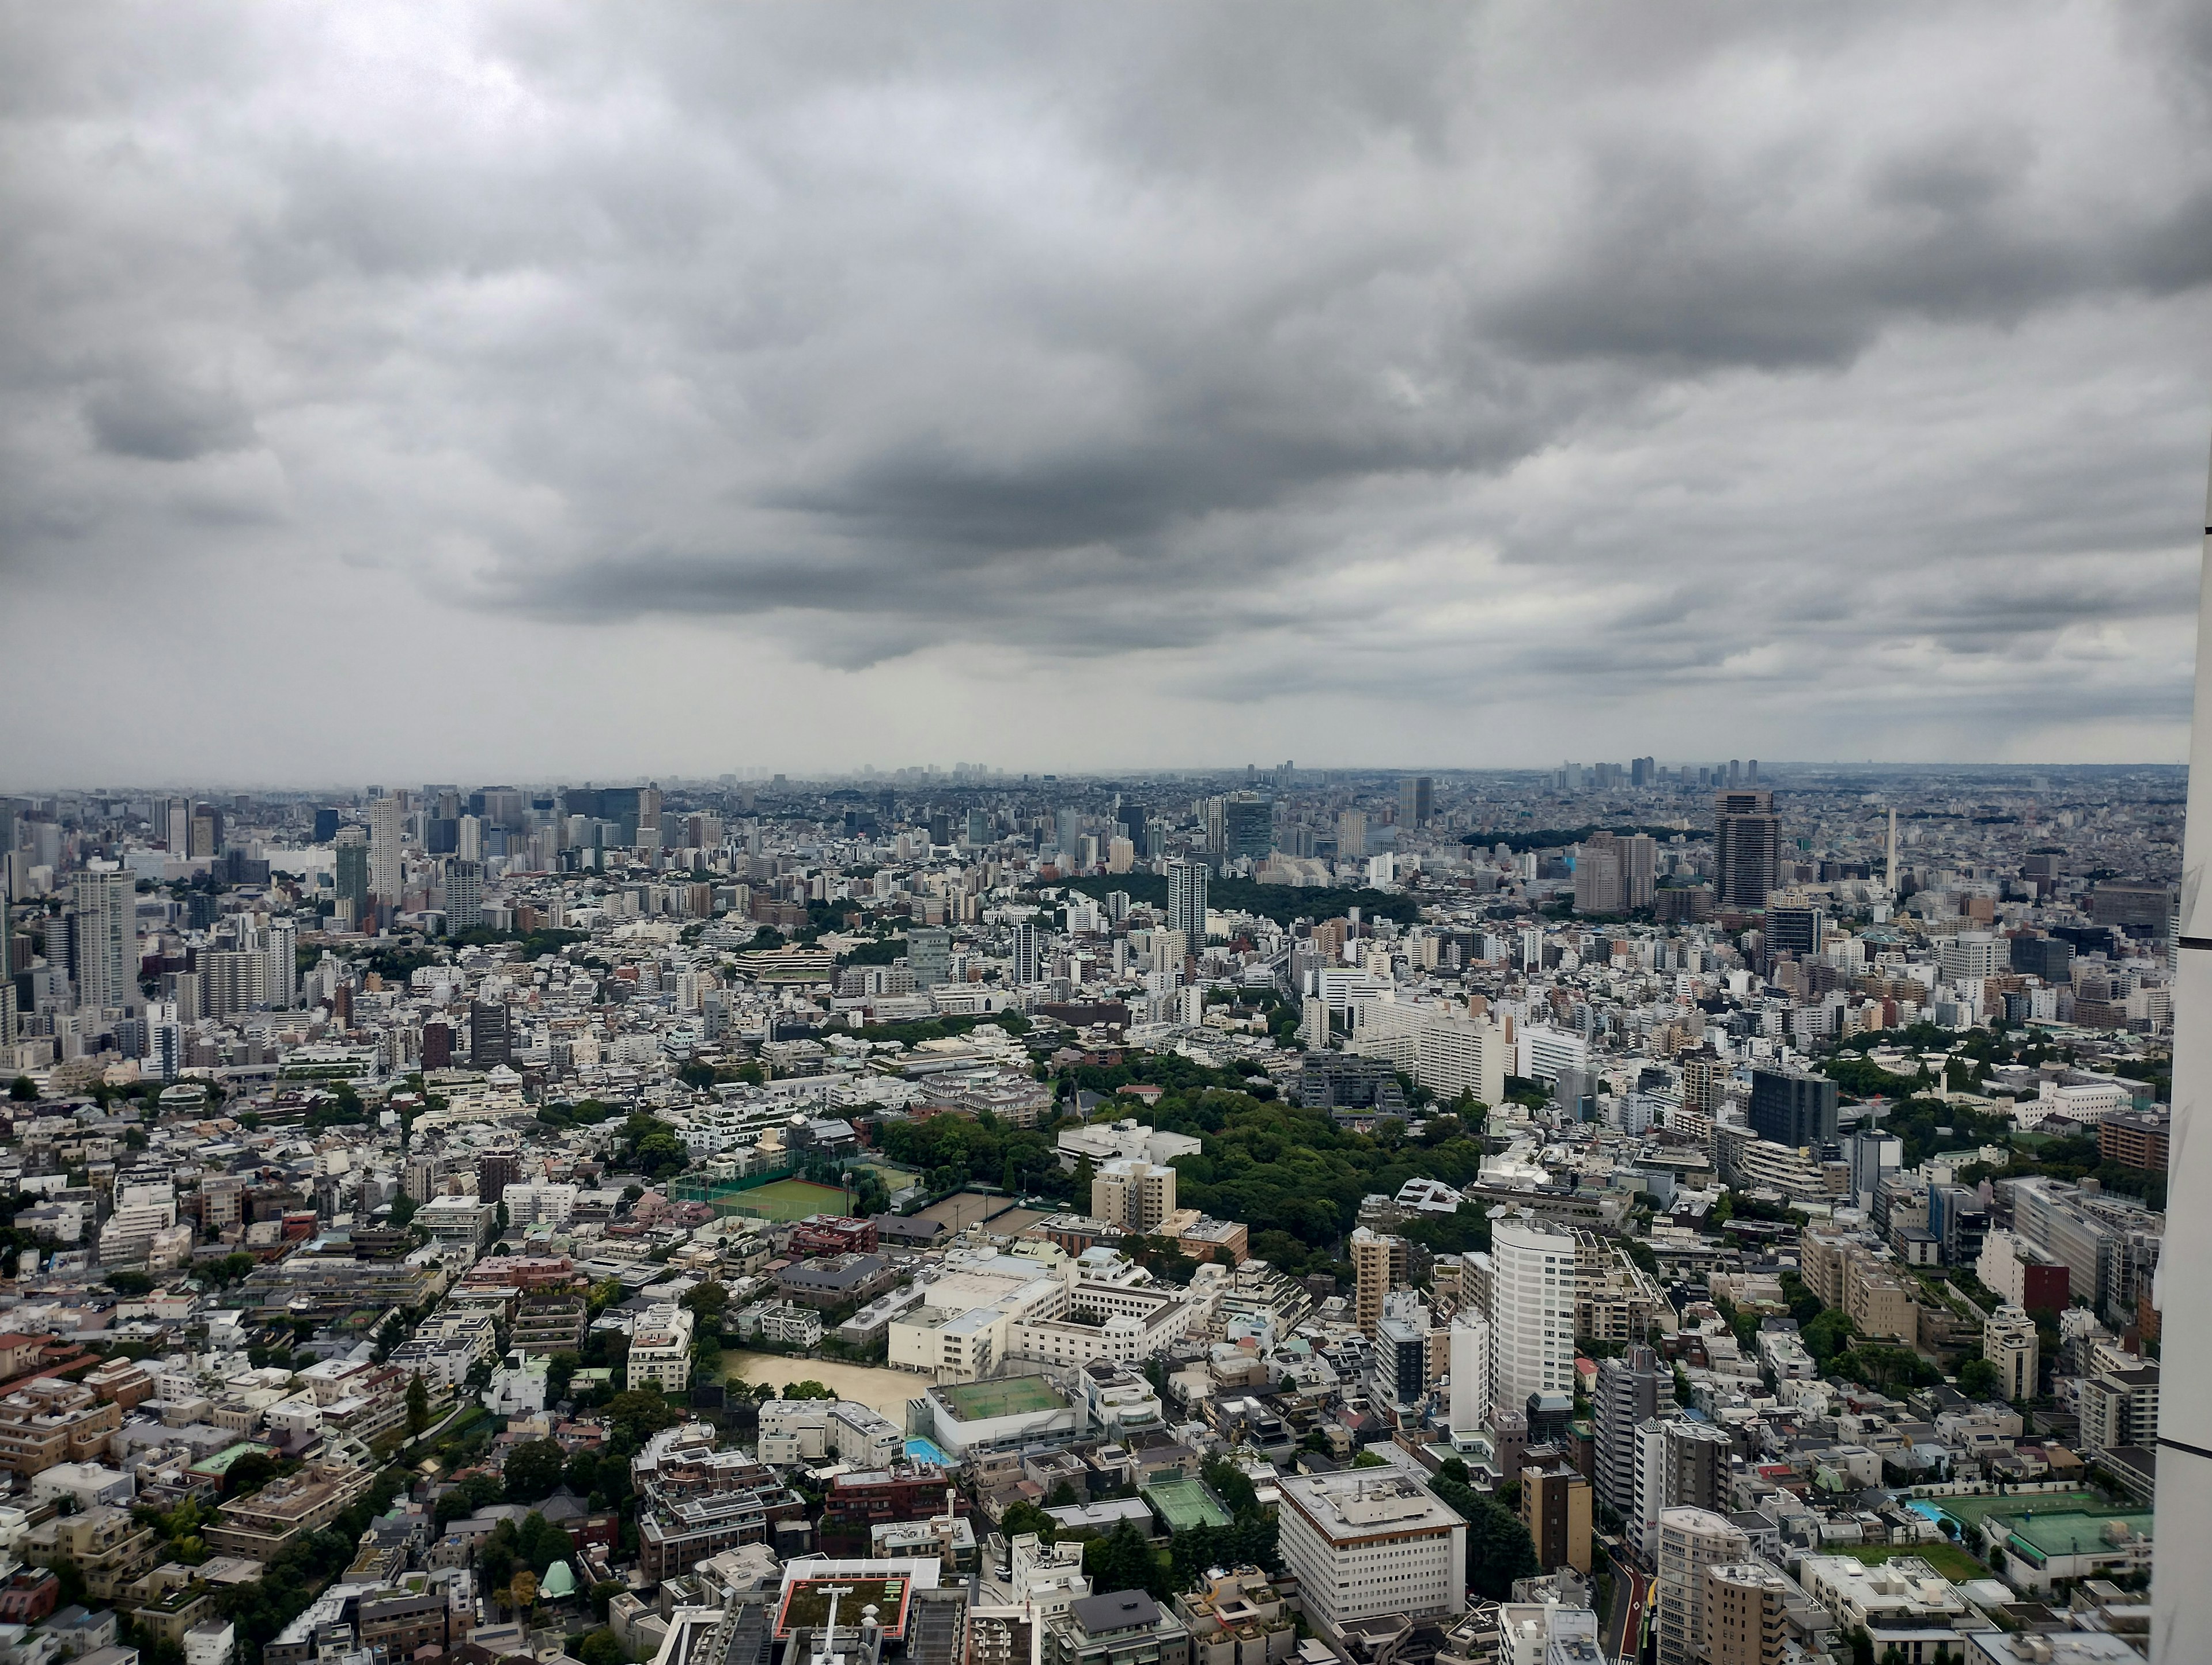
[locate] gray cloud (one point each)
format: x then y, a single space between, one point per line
1524 356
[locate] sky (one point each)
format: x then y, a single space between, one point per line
488 392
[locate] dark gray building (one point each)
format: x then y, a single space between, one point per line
1793 1108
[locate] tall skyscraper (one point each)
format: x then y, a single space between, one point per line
1028 952
490 1039
386 826
1378 1266
1416 800
1186 901
1533 1308
1792 1107
1350 835
463 896
177 825
105 939
1747 847
350 867
281 981
1599 881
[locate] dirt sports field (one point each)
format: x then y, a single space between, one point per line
885 1392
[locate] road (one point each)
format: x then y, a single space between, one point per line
1632 1591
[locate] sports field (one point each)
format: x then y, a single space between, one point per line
792 1200
1948 1559
1185 1504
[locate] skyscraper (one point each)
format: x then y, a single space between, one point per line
1186 901
350 867
1792 1107
385 834
1747 847
463 896
1470 1370
1028 950
489 1037
928 953
280 982
105 939
1416 800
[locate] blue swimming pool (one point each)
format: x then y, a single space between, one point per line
925 1451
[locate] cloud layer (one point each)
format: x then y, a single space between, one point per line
1458 385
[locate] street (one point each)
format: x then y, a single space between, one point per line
1632 1591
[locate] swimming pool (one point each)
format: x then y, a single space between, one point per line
925 1451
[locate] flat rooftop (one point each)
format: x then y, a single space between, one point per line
1006 1395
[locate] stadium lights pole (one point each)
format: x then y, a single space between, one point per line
2181 1579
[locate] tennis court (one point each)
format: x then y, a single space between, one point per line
1006 1395
792 1200
1185 1504
1971 1512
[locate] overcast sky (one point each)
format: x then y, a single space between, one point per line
459 392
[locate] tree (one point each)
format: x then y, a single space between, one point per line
808 1389
1979 1379
1123 1560
248 1476
601 1648
707 1300
534 1469
129 1283
418 1407
1026 1516
24 1090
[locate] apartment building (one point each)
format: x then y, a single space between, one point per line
1369 1542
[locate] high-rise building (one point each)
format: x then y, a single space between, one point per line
928 955
1378 1266
1027 952
177 825
1800 932
1470 1370
1747 848
1416 800
1401 1350
1690 1541
280 981
1746 1615
1186 901
463 896
1792 1107
386 832
1627 1396
1533 1308
1679 1464
1598 883
106 939
349 855
489 1038
326 825
1350 835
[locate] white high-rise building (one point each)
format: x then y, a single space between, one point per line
1470 1371
1533 1309
177 825
280 981
1187 882
105 940
468 839
386 827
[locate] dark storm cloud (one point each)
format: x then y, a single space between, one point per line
1369 353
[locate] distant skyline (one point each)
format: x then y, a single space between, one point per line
557 392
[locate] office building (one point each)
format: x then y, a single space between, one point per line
1555 1507
1401 1350
1027 950
1378 1266
1691 1541
1186 901
1532 1308
928 955
1248 826
1792 1107
105 939
1747 848
1416 800
490 1040
2009 1341
349 855
387 828
1627 1396
2048 958
1799 933
1368 1541
1745 1614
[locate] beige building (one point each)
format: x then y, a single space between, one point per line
2009 1341
660 1348
1690 1541
1378 1266
1369 1541
1746 1615
1133 1193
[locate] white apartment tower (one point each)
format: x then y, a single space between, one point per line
385 839
1533 1309
1470 1371
106 939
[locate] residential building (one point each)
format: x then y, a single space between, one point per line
1627 1396
660 1348
1121 1628
1690 1541
2009 1341
1133 1193
1555 1507
1378 1266
1746 1615
1532 1308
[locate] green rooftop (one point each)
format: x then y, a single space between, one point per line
2074 1532
1005 1396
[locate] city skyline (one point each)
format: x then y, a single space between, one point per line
1455 386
